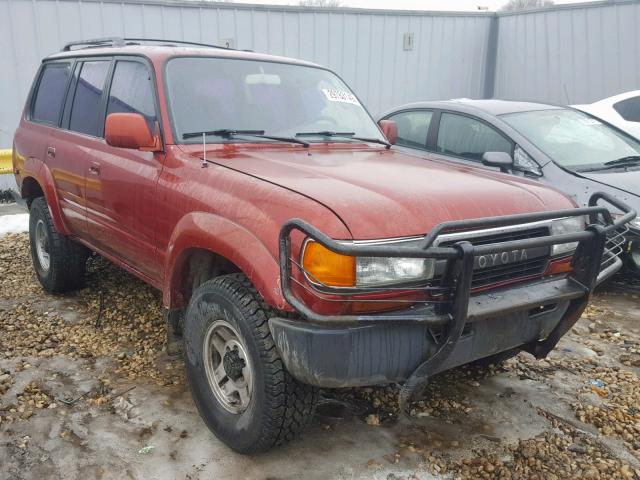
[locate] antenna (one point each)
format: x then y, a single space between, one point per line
204 151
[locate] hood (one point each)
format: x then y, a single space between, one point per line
381 193
627 182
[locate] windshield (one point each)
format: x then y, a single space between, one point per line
211 94
573 139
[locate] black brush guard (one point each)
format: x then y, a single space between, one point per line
594 258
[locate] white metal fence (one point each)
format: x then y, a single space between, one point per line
571 54
577 53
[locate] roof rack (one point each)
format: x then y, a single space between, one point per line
123 42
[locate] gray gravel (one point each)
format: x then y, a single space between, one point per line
84 389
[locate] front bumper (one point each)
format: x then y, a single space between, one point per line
380 353
454 326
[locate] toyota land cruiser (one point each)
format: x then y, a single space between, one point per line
294 248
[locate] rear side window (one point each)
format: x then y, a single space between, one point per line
132 92
86 110
413 127
50 94
629 109
466 137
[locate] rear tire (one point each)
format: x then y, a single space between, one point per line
60 263
238 381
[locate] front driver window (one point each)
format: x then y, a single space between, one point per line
466 137
412 128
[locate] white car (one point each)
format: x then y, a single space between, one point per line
622 111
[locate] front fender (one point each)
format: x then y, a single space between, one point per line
207 231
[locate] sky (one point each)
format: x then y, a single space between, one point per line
447 5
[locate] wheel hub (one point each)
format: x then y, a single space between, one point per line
42 246
227 366
233 364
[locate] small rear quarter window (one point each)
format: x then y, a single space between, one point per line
49 97
629 109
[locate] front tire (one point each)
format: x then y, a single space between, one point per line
238 381
60 263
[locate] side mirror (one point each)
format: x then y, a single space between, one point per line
502 160
130 130
390 130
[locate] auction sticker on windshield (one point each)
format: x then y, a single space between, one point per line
335 95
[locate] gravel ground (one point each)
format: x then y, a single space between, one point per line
87 391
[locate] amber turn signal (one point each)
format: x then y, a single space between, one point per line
327 267
560 266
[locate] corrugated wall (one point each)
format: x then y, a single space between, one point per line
565 54
364 46
569 54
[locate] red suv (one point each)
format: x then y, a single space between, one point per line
294 247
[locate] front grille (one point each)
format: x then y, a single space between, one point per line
614 247
502 237
512 271
509 272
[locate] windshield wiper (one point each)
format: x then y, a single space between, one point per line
624 161
351 135
228 132
630 161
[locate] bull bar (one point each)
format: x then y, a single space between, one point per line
456 306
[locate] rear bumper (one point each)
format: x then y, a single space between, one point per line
374 354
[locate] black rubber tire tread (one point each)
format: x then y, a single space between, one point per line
68 259
289 405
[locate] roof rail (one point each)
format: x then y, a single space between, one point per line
96 42
122 42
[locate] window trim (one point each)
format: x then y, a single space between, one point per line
66 118
179 141
419 110
433 146
110 56
154 89
33 94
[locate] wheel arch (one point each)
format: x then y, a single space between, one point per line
32 188
207 245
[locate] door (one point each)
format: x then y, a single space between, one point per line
46 116
468 138
413 128
121 183
73 144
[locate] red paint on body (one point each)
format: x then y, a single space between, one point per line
147 211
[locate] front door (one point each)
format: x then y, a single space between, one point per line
121 183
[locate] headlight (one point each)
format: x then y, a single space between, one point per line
375 271
563 226
336 270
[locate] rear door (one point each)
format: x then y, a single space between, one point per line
37 141
121 183
74 143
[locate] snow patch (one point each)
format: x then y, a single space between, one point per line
14 223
